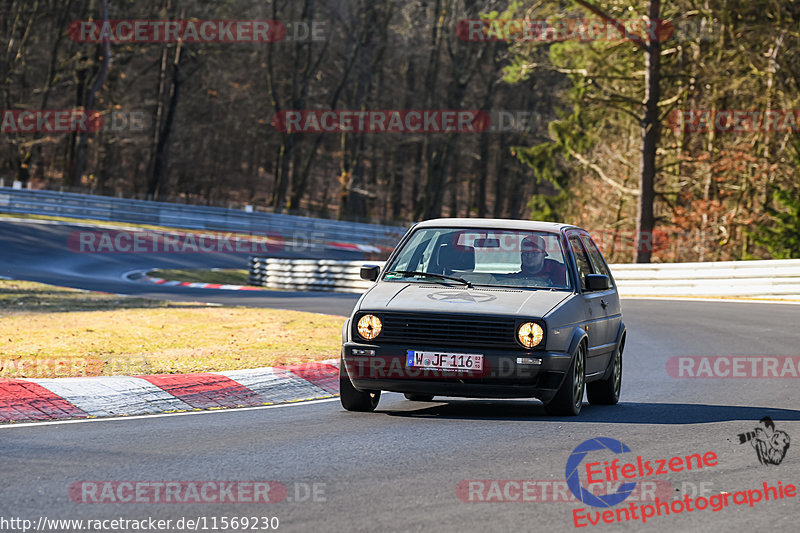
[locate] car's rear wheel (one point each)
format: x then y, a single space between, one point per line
606 392
419 397
353 399
569 398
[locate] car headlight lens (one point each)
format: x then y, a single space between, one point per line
530 334
369 326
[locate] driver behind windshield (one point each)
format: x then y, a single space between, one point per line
535 265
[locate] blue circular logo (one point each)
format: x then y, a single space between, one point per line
574 481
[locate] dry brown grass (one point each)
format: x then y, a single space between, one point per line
55 332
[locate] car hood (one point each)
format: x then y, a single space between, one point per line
419 297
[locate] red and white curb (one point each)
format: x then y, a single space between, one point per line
159 281
90 397
358 247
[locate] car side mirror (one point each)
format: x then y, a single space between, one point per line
597 282
370 272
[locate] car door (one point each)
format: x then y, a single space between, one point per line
609 300
596 317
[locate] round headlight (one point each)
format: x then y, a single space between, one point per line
369 326
530 334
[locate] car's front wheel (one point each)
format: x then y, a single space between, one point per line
569 398
353 399
606 392
419 397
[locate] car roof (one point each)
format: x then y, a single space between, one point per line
494 223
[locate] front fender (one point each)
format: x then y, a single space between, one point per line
578 334
346 331
619 346
576 337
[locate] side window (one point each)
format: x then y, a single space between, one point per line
581 259
598 263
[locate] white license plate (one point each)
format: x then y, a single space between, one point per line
451 361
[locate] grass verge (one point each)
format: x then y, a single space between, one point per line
89 221
133 226
48 331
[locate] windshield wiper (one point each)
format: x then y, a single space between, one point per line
430 275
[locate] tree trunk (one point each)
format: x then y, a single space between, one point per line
35 154
79 163
500 188
157 186
651 130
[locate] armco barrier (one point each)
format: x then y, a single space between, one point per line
309 275
766 279
106 208
773 278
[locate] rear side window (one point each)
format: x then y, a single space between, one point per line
581 259
598 263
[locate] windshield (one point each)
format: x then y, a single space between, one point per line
503 258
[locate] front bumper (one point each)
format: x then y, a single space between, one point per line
502 376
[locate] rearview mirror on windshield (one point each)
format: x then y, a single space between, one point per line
487 243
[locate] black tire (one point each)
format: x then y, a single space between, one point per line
419 397
355 400
569 398
606 392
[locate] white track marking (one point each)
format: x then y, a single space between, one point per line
162 415
113 395
717 300
129 274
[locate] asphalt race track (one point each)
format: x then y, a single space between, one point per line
39 252
404 467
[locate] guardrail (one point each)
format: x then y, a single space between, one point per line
309 275
106 208
776 279
771 278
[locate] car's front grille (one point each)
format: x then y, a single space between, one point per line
448 330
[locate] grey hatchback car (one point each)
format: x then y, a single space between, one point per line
487 308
